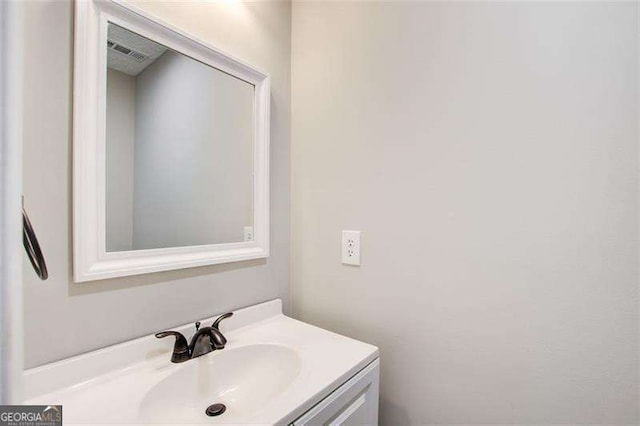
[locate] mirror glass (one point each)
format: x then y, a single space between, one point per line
179 149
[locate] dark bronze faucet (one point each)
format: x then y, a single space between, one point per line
205 340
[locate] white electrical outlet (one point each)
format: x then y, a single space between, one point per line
248 233
351 247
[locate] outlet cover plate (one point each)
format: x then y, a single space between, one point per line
248 233
351 248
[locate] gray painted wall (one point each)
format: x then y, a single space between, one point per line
193 155
179 156
120 128
63 318
488 153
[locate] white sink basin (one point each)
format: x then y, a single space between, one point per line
244 379
272 370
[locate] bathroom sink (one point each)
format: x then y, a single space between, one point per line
272 370
243 379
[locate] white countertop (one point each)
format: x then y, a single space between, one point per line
109 386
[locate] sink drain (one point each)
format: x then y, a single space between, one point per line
215 410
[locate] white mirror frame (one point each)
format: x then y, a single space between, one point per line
91 260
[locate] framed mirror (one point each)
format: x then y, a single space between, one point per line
171 148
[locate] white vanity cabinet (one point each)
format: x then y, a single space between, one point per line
353 403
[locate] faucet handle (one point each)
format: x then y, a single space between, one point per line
197 325
216 323
180 347
164 334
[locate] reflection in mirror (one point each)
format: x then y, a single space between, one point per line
179 149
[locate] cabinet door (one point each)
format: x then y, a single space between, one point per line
353 403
